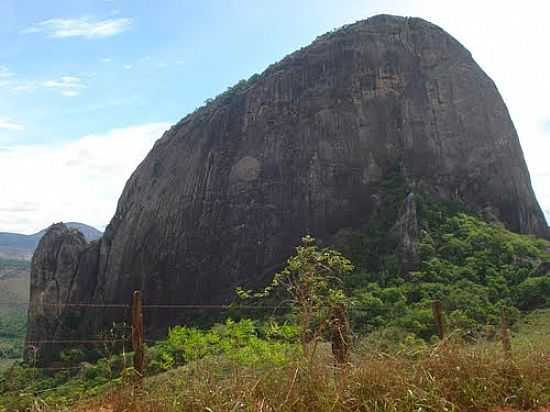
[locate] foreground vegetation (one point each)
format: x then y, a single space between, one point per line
238 366
446 377
392 361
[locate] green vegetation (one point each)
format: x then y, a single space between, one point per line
451 377
12 332
245 343
239 87
14 290
474 268
241 365
312 283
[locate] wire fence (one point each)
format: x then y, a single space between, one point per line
136 321
152 306
35 344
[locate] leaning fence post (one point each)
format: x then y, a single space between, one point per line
505 334
137 334
341 335
437 309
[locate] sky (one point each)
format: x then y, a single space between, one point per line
86 87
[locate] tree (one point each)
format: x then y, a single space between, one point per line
313 284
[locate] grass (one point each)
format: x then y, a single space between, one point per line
448 376
390 371
5 364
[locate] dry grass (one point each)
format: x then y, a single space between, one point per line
450 377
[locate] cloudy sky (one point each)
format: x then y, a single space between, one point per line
87 86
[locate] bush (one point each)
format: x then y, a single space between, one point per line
241 341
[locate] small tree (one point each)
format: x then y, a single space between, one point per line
312 281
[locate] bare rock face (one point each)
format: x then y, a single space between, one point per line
54 267
407 231
225 194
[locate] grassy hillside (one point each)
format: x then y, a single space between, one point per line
242 367
451 377
14 291
474 268
14 280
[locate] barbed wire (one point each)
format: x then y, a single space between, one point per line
169 306
154 306
75 341
84 305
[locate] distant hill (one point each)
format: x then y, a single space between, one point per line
19 246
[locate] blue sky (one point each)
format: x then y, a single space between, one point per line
158 61
87 86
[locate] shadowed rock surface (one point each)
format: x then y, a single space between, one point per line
407 235
224 196
54 267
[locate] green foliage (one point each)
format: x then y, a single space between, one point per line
12 332
242 341
14 286
370 247
72 356
473 267
312 282
239 87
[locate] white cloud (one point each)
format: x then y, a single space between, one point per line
7 124
5 73
69 93
128 66
85 27
66 85
6 76
25 87
80 180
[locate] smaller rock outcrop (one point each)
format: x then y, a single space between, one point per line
54 265
406 228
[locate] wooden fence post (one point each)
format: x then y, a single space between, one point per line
505 334
137 334
437 309
341 335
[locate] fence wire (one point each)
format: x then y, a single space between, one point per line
98 340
